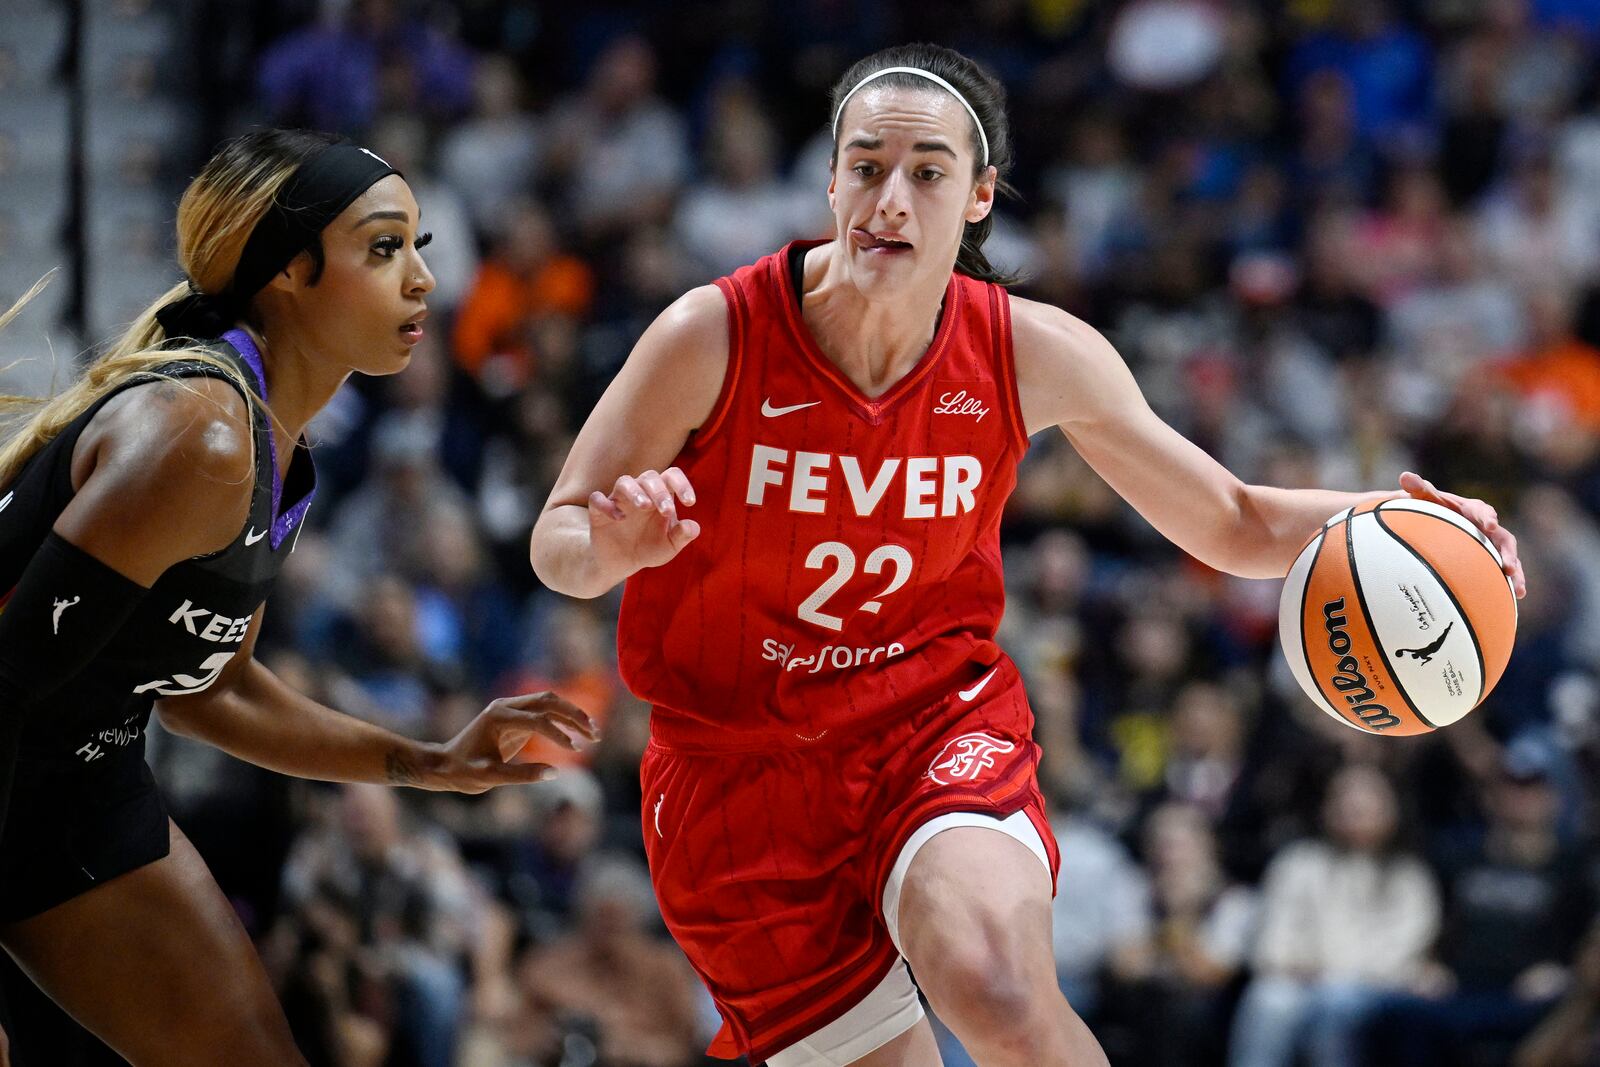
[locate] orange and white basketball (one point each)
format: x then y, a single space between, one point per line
1397 618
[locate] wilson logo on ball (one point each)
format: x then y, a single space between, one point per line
1347 674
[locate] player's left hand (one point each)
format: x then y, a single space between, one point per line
478 758
1482 515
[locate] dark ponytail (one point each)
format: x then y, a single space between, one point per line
988 99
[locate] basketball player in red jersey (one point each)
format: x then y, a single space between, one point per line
841 776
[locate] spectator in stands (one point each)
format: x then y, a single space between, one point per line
1569 1035
1535 231
373 56
1103 917
1333 311
531 845
1332 164
1175 986
612 981
464 615
1397 246
744 210
1517 904
526 278
375 529
1443 331
621 152
1343 919
387 671
492 158
571 652
1206 762
1388 64
1558 375
1096 184
394 903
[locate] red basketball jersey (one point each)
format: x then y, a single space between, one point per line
848 566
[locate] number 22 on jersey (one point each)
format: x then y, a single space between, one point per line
843 559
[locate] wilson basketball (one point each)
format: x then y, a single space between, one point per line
1397 618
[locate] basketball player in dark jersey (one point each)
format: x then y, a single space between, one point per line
144 515
799 473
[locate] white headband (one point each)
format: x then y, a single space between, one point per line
920 73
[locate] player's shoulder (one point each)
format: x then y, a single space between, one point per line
176 431
1053 345
697 316
1049 329
689 339
1066 370
164 471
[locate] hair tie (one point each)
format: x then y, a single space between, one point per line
198 315
920 73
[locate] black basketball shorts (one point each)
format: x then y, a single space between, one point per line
74 826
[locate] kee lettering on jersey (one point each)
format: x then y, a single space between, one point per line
209 626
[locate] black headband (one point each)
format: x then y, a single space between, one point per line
314 195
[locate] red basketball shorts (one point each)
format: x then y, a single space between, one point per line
770 863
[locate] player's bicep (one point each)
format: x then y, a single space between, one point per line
1069 376
667 389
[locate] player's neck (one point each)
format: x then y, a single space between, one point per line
874 343
298 386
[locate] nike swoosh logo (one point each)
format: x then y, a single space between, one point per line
968 694
771 412
252 537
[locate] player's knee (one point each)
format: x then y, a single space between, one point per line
986 988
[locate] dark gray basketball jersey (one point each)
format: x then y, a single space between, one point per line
194 618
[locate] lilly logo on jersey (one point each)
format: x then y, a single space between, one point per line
836 656
966 757
957 402
932 486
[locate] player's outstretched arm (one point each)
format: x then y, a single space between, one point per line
614 509
1069 376
251 713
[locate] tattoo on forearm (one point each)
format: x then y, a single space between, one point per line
399 769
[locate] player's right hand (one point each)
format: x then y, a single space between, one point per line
636 525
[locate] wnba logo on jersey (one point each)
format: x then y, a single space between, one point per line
966 757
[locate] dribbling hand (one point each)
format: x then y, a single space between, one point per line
1482 516
636 525
479 758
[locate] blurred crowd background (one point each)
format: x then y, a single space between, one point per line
1335 239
